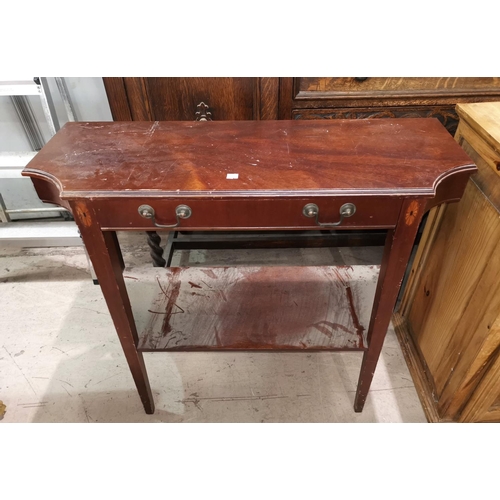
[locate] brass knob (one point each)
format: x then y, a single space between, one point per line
310 210
183 212
146 211
347 209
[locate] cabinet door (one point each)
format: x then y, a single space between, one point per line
363 97
192 98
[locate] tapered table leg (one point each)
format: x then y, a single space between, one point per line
398 247
104 252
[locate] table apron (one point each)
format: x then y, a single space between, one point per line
248 214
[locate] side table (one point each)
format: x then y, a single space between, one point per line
256 176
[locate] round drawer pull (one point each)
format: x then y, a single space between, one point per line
181 212
346 210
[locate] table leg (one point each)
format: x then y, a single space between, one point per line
398 247
156 251
104 252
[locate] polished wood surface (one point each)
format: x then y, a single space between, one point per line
450 313
225 213
392 170
400 157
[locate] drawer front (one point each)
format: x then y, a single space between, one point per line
257 213
326 87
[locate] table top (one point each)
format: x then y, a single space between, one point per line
408 156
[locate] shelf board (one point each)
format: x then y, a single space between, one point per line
253 308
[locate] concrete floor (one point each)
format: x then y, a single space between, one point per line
61 361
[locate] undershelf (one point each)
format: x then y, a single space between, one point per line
253 308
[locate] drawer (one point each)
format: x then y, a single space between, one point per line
328 87
250 213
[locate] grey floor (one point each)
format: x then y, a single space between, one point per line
61 361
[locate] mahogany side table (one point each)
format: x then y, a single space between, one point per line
251 175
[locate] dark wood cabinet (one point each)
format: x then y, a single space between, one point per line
179 98
304 98
310 98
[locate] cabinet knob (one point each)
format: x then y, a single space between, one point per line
202 113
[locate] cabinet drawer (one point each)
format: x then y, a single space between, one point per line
327 87
257 213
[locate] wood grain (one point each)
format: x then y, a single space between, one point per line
445 114
417 368
477 374
118 99
428 235
484 121
486 180
394 157
451 309
285 98
177 98
444 294
268 98
338 98
402 86
481 407
137 95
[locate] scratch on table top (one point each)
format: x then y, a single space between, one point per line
153 128
131 172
